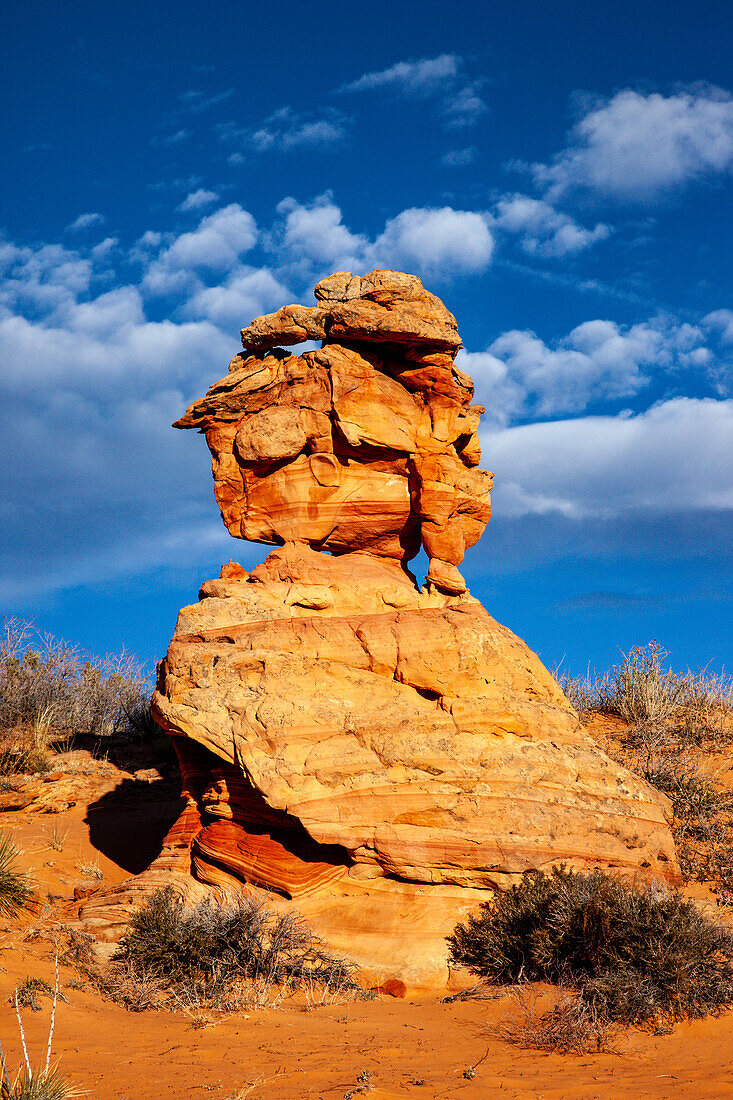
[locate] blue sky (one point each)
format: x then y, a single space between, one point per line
559 172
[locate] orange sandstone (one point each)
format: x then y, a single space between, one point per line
380 756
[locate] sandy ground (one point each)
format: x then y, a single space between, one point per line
381 1048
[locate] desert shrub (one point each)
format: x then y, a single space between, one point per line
20 755
645 693
203 952
50 691
15 889
631 953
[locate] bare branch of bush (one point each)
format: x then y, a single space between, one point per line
571 1026
50 694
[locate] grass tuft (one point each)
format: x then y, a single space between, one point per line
15 888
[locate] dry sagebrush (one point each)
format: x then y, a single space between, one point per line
224 955
632 954
50 693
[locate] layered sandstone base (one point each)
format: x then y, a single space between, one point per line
381 758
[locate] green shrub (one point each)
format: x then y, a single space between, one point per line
632 953
208 948
15 889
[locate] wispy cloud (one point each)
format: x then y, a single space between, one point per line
285 130
441 78
423 78
85 221
196 101
459 158
197 199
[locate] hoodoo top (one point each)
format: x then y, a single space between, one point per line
366 444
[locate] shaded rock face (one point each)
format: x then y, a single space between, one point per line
379 756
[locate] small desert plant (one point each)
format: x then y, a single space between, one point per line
32 1083
28 991
15 889
206 952
90 869
631 953
57 838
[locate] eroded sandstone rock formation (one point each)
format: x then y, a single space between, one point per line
366 444
377 755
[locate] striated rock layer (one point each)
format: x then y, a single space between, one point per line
384 756
380 756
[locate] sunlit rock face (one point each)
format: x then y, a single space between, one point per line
379 756
366 444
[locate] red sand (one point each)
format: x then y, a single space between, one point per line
418 1048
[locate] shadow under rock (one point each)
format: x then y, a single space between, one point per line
128 824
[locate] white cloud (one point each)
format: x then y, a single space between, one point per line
637 147
440 241
316 231
215 245
440 78
422 78
542 230
459 158
85 221
284 131
464 107
599 360
196 101
245 294
676 456
721 320
197 199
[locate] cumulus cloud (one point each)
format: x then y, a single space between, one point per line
542 230
216 245
85 221
638 147
676 456
197 199
316 232
439 78
245 294
520 375
438 242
